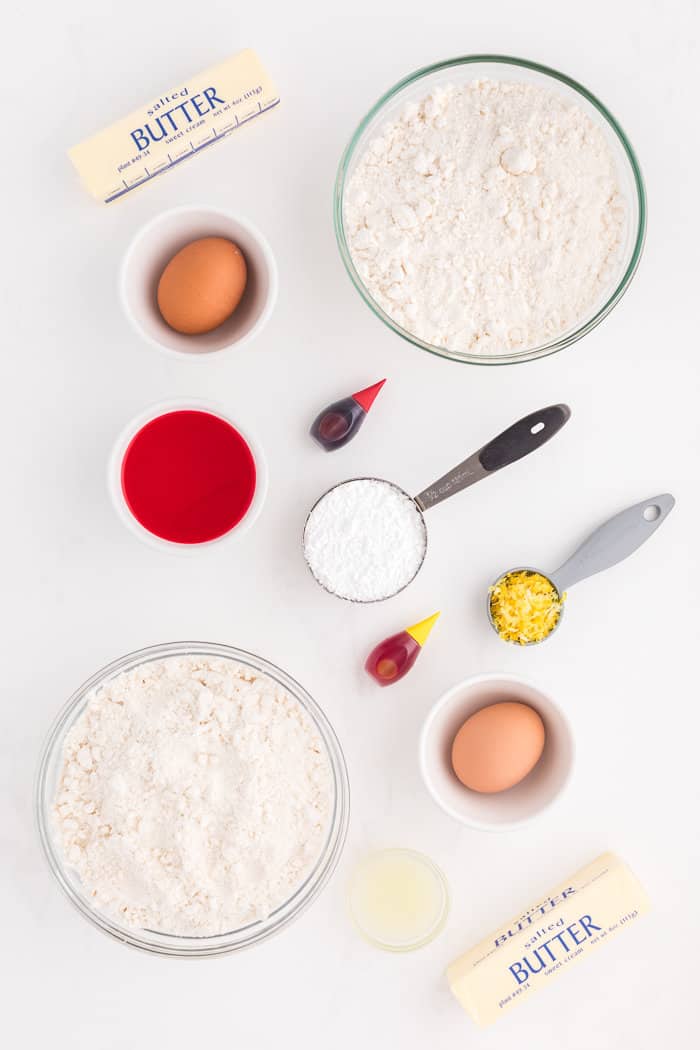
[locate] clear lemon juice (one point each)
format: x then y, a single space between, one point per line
399 899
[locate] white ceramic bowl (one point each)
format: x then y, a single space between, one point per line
120 446
504 810
152 249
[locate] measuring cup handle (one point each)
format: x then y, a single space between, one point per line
614 541
523 437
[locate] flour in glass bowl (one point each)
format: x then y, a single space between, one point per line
488 218
194 796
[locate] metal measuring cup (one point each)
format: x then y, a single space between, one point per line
611 543
523 437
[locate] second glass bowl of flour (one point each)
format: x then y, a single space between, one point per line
192 799
490 210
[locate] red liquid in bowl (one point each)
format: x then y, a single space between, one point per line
188 476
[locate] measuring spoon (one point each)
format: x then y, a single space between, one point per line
611 543
523 437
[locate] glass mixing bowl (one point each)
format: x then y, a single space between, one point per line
163 943
499 67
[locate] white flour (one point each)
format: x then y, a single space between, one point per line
365 540
194 796
488 218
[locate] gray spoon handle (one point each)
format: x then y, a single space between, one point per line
517 441
614 541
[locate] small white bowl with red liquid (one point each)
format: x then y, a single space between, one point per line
185 475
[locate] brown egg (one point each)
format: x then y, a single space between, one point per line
498 746
202 285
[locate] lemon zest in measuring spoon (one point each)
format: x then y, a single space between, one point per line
525 606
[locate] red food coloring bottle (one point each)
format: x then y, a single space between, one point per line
395 656
338 423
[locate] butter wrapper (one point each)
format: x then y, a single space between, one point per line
544 941
176 125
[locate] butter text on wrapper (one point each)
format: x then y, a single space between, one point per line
544 940
178 125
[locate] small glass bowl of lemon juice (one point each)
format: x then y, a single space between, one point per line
398 899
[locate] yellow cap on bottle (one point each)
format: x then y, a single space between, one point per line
420 631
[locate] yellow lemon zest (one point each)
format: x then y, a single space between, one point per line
525 606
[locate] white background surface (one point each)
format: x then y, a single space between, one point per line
79 590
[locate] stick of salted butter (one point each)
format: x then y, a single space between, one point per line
178 124
572 920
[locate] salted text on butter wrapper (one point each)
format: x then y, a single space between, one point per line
179 123
547 938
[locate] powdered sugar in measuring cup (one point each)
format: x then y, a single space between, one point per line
365 539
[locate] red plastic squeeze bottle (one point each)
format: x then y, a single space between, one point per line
394 657
339 422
